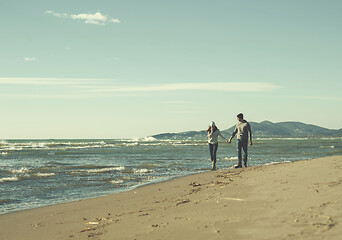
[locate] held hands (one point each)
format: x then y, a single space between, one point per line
250 142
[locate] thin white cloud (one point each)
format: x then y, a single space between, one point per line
324 98
114 20
219 86
59 15
29 59
46 96
96 18
89 88
89 18
110 85
54 81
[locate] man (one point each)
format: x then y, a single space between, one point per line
242 129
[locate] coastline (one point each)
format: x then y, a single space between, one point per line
293 200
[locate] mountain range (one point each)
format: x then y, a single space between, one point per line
264 129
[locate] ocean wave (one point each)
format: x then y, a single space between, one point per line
187 144
6 201
63 144
331 138
326 146
230 158
151 144
148 139
149 165
145 139
9 179
19 171
41 175
46 145
125 178
287 139
138 171
116 181
131 144
102 170
142 171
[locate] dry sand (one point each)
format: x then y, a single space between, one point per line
299 200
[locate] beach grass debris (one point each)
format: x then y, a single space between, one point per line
194 184
87 229
92 223
182 202
235 199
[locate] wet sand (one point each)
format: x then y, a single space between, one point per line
299 200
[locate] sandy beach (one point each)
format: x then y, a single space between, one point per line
297 200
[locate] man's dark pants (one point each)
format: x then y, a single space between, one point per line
242 145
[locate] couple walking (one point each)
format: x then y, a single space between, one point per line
242 130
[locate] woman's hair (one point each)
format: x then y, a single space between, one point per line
214 129
240 116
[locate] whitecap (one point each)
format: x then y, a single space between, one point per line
132 144
141 171
148 139
151 144
102 170
116 181
44 174
230 158
21 170
326 146
271 163
9 179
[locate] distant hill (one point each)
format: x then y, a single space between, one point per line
264 129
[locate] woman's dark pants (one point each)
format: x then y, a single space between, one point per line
213 150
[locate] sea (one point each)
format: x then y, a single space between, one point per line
36 173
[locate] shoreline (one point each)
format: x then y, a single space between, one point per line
298 199
157 181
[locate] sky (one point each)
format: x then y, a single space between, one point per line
133 68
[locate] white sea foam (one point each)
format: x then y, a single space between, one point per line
52 145
102 170
270 163
142 171
326 146
151 144
44 174
230 158
132 144
148 139
186 144
4 153
116 181
287 139
9 179
20 171
126 178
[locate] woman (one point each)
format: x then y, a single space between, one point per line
213 133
